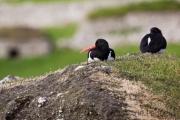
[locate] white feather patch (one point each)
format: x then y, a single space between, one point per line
109 57
149 40
161 51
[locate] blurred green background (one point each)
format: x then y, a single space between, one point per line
60 57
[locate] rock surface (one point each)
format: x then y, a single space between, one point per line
91 93
8 78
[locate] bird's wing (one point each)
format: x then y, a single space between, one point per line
96 54
157 43
144 43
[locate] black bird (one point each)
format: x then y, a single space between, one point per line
100 51
153 42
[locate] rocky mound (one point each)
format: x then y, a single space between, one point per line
93 92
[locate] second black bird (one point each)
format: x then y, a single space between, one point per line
154 42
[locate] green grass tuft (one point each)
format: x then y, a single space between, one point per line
135 7
160 73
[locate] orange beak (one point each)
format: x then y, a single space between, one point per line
88 49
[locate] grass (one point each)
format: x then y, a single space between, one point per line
119 11
61 32
160 73
27 67
172 49
123 50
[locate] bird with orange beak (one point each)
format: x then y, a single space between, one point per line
100 51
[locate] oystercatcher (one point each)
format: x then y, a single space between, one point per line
153 42
100 51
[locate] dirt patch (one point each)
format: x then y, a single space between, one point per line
92 92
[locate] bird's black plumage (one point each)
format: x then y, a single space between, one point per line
153 42
101 51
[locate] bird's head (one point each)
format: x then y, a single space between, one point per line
99 44
155 30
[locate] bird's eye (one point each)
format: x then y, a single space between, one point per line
98 42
